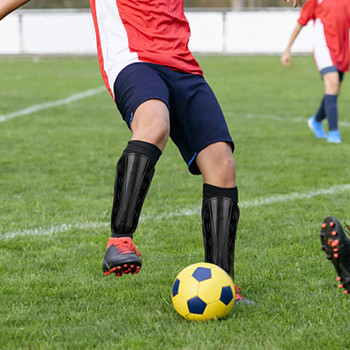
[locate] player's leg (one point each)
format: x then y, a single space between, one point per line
331 78
336 245
332 88
135 169
328 72
220 212
199 130
150 126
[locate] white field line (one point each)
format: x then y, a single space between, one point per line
41 106
278 118
40 231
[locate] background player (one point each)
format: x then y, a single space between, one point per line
331 54
160 91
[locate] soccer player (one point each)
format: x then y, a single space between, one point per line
331 54
337 247
161 93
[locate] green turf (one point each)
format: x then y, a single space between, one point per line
57 177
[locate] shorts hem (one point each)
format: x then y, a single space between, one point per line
192 165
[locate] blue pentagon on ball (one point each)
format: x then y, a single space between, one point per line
202 274
226 295
196 305
176 287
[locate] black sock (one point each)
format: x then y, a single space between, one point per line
321 113
210 191
148 149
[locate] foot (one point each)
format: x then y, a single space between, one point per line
316 127
240 299
121 256
337 247
334 136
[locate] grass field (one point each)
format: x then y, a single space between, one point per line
57 177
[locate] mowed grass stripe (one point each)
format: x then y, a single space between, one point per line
40 231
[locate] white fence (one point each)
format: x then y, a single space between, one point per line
71 32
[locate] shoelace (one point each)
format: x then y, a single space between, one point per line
126 246
237 295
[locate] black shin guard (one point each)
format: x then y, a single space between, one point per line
134 175
220 217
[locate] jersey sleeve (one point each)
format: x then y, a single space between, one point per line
307 13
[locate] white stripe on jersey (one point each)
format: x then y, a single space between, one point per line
321 52
114 41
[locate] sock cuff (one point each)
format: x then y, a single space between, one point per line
148 149
330 97
210 191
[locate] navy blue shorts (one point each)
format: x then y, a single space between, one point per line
332 69
196 119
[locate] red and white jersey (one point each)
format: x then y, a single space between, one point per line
331 31
130 31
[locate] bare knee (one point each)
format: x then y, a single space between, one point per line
151 123
217 165
331 83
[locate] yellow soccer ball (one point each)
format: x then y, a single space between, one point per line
203 291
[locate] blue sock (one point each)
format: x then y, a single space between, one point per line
331 108
321 113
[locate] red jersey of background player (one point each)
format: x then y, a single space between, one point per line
334 18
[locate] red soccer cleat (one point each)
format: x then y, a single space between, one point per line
240 299
121 257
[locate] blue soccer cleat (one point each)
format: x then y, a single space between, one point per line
334 136
316 127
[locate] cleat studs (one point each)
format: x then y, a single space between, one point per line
335 250
334 233
340 286
323 225
336 255
331 224
125 265
346 292
338 278
335 243
329 242
119 267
